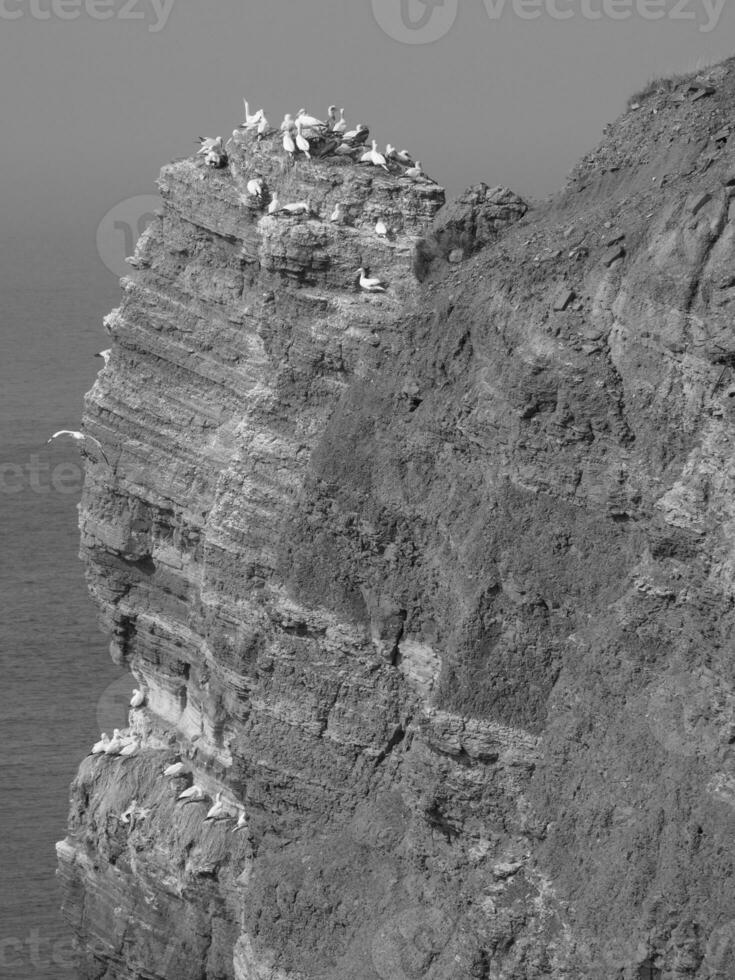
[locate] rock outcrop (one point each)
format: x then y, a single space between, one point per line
436 584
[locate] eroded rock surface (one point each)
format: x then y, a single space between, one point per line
436 583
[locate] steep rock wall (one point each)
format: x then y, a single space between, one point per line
437 583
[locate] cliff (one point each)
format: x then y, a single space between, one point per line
436 584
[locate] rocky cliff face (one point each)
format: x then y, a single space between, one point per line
436 584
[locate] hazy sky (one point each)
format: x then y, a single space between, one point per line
507 93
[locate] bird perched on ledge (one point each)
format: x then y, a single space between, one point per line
194 794
138 699
370 285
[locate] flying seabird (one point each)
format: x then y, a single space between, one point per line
194 794
175 769
99 747
375 157
301 141
80 438
105 355
138 698
370 285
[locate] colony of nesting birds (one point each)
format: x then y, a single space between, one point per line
316 138
304 133
124 745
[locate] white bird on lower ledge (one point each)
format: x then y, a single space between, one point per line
138 698
130 748
241 820
219 811
194 794
175 769
370 284
80 438
298 207
115 743
105 355
99 747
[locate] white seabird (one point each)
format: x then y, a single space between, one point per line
370 285
338 214
105 355
241 820
80 438
375 157
210 144
251 120
404 157
263 126
357 135
288 123
309 122
301 141
129 814
381 229
138 698
99 747
175 769
219 811
298 207
341 125
130 748
332 118
115 743
194 794
275 205
288 144
416 172
344 149
255 187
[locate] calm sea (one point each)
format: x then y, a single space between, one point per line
59 687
